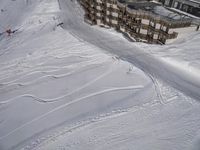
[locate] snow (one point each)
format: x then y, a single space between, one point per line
83 87
167 13
185 13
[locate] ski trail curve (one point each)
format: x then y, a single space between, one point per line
61 97
70 103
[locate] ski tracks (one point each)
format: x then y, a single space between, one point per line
76 69
61 97
71 103
50 138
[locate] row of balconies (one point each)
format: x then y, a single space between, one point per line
137 14
148 28
132 23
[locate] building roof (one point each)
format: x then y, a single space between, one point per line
198 1
194 3
154 8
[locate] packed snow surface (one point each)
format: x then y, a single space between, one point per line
81 87
160 10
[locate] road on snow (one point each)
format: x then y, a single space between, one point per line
179 78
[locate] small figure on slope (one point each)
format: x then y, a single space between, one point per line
9 31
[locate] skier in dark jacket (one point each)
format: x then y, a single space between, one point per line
9 31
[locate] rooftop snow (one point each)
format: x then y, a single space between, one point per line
156 9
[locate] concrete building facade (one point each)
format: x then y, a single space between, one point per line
141 20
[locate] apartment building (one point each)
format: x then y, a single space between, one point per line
142 20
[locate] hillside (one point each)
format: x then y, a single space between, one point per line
77 86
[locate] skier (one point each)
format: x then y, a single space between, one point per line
9 31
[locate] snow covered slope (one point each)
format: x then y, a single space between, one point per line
49 78
61 89
134 53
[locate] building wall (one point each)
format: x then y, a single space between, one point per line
140 27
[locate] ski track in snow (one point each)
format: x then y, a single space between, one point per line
61 97
157 88
70 103
50 76
102 117
36 68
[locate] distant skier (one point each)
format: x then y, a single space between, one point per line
9 31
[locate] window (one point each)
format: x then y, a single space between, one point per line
152 23
167 2
176 5
164 28
185 8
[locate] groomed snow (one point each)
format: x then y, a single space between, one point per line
70 89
